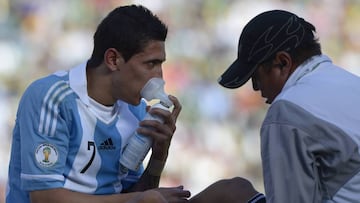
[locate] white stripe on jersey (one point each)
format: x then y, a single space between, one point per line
76 180
34 177
43 107
50 105
53 127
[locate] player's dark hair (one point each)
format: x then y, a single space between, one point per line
128 29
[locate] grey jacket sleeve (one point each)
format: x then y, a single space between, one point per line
305 159
258 198
289 171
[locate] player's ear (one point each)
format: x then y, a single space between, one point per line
112 59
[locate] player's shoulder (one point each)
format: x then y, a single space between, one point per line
48 86
48 81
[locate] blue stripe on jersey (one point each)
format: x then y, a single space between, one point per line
109 149
132 178
139 113
74 142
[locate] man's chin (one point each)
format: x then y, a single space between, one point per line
268 101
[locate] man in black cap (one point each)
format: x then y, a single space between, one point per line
310 136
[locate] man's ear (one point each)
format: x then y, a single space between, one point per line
285 61
112 59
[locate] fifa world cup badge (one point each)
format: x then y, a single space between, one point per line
46 155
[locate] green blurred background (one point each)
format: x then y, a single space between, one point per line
218 130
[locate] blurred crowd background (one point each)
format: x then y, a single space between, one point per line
218 130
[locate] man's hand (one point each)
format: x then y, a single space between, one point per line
149 196
235 190
174 194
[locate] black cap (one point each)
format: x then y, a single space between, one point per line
263 36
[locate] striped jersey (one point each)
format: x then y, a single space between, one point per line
61 139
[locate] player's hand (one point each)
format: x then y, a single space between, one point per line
161 133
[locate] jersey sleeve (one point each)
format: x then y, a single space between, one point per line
44 136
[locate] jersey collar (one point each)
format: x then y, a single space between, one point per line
78 82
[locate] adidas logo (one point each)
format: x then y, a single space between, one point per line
107 145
